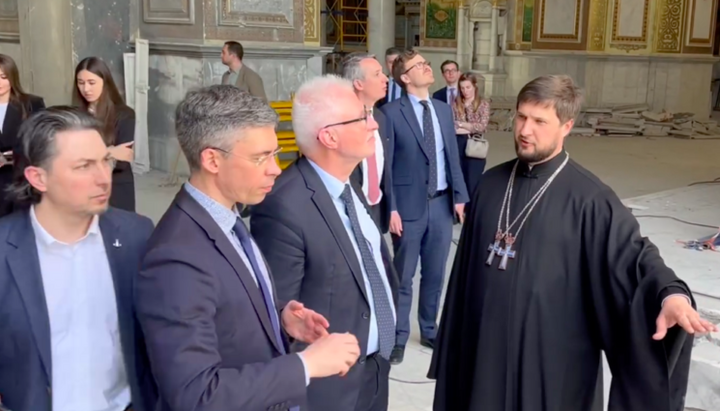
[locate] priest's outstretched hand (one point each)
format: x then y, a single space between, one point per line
677 310
302 323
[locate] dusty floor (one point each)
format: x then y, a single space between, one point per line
632 166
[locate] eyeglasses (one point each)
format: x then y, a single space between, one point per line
421 64
258 161
368 113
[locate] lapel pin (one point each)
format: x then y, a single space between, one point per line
117 244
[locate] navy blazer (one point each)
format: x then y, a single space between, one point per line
208 332
441 95
386 181
25 353
410 161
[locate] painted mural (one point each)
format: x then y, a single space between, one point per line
440 20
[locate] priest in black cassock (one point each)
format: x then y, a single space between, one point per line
551 269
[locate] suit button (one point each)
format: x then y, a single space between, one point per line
365 315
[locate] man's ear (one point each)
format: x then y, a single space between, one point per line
37 177
210 160
567 127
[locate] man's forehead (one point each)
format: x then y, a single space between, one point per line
541 109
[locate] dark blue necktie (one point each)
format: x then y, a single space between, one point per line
381 302
244 236
429 133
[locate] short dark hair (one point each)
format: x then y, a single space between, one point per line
398 68
558 91
37 145
447 63
235 48
393 51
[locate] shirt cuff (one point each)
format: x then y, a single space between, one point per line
672 295
307 376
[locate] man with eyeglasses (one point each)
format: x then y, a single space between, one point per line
216 331
323 245
428 191
451 74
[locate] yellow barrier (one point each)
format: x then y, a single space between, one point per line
286 138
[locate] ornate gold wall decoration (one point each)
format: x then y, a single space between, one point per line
596 25
543 35
669 26
311 26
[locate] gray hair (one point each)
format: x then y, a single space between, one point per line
318 102
37 145
211 117
351 65
558 91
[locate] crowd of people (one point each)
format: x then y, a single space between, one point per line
308 307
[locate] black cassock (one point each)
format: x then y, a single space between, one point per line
583 280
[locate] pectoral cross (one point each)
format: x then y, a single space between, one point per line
494 248
507 252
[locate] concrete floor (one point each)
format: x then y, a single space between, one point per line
632 166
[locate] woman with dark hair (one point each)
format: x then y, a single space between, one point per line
15 107
95 91
472 114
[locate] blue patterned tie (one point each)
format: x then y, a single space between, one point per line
244 236
429 132
381 302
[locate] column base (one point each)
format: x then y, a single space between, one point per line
494 83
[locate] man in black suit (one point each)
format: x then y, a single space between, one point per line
394 90
205 296
451 74
373 174
70 340
324 247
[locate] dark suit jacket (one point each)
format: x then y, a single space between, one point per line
441 95
9 141
386 181
384 100
410 159
300 232
209 336
123 183
25 353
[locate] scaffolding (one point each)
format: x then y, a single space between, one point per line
346 25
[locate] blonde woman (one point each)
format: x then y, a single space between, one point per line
472 114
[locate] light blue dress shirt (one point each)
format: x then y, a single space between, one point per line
226 219
371 233
394 91
439 142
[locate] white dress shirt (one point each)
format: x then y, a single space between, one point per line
380 161
88 372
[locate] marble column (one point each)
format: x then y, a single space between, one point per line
381 27
492 62
47 60
464 51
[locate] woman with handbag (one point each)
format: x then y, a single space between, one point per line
472 114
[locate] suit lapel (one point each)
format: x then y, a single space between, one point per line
115 249
327 209
24 266
222 243
409 113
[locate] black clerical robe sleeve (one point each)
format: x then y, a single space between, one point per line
627 280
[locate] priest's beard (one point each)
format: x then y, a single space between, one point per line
533 154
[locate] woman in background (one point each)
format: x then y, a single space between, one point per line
15 107
96 92
472 114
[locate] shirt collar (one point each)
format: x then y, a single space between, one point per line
223 217
47 239
334 186
416 100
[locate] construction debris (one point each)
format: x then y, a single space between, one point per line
619 121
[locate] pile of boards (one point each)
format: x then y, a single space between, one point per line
619 121
638 120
